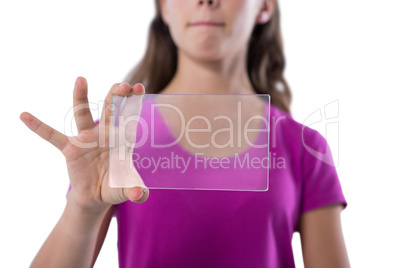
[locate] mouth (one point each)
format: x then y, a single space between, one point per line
207 24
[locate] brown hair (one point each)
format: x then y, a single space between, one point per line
265 60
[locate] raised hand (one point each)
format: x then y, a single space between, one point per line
88 168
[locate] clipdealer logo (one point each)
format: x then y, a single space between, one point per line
326 118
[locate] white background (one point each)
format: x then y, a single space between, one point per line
345 51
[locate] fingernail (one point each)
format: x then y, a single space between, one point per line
143 191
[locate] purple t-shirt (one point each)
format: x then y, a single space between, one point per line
215 228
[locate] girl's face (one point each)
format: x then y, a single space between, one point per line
213 29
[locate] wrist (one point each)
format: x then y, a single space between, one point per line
81 225
92 211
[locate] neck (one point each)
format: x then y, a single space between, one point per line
228 76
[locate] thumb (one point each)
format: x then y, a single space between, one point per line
136 194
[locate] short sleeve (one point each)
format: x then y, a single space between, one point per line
69 186
320 181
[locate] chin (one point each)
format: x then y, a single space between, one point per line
205 54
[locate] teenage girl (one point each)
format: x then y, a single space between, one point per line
202 47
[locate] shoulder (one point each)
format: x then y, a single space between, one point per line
302 145
285 128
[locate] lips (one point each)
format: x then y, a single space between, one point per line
207 23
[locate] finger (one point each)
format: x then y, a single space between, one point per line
119 90
44 131
137 89
131 112
82 114
136 194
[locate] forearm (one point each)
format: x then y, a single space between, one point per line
72 242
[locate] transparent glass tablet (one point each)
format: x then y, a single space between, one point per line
196 142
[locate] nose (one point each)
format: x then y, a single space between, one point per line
209 3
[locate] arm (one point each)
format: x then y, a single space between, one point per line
76 239
102 234
322 239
